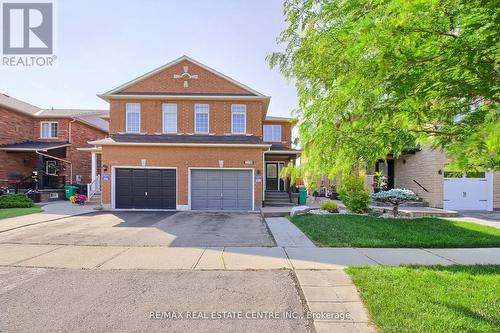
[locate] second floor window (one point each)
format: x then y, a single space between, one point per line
201 118
238 118
272 133
169 118
48 129
133 117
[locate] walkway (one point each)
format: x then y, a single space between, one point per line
232 258
50 212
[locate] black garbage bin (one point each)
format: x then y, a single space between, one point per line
82 189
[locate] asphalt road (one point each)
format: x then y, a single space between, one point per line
43 300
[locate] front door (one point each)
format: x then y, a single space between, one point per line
272 177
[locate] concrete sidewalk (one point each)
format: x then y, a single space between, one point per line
50 212
232 258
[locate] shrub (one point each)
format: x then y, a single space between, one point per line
395 197
329 206
15 201
353 194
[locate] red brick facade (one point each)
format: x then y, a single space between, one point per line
16 127
222 92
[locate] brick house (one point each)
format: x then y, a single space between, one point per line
185 136
45 141
425 172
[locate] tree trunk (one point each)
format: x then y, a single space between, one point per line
395 210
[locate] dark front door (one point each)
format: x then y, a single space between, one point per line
272 176
145 188
390 174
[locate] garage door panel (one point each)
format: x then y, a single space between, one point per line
230 204
235 186
244 204
145 188
466 193
243 194
213 203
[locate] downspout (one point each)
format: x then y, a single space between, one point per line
70 140
59 159
69 130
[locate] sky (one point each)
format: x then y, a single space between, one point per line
103 44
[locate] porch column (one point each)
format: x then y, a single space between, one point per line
94 168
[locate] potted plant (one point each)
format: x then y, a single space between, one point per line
379 182
79 199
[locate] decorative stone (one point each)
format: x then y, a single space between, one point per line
299 210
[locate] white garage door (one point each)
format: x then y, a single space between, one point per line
468 193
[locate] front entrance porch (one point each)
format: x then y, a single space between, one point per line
273 180
35 166
277 189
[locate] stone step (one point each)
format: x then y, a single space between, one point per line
406 204
279 204
95 200
277 194
277 200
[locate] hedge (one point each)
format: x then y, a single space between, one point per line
15 201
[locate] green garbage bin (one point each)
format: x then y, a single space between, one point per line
302 195
70 190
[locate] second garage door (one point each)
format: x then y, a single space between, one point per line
221 189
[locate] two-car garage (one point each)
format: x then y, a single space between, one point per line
209 189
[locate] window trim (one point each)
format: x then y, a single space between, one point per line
50 129
272 132
244 112
126 117
208 118
163 111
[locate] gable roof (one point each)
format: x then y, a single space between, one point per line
91 117
172 63
18 105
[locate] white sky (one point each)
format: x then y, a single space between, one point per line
103 44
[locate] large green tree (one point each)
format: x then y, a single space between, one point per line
378 77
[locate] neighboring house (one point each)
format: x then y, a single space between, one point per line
46 141
185 136
424 172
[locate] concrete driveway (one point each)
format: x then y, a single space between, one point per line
184 229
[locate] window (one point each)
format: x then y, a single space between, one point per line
272 133
133 118
48 130
239 118
51 168
169 118
201 118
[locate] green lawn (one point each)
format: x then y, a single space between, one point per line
431 299
368 231
13 212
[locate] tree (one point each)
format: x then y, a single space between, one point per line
378 77
395 197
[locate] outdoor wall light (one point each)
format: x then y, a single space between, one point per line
105 168
404 161
258 172
440 172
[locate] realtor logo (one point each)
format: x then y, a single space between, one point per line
28 29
